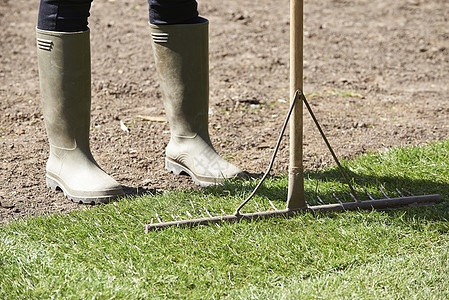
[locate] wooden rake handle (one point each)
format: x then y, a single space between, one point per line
296 197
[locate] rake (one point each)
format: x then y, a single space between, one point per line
296 201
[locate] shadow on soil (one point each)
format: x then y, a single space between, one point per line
138 191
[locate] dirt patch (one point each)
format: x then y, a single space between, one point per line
376 73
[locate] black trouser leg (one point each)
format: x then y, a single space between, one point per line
63 15
173 12
72 15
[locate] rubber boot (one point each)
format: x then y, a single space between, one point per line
181 55
64 74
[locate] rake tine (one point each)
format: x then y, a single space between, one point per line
211 216
189 215
354 198
222 211
174 218
399 192
321 200
147 230
383 192
272 205
191 204
407 192
208 213
369 195
158 218
257 205
335 196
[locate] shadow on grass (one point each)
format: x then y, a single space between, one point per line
314 180
138 191
390 184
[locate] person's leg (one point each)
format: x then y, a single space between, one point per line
63 51
63 15
165 12
180 47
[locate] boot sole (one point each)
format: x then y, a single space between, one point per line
178 169
56 185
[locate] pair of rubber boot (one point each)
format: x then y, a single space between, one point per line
181 55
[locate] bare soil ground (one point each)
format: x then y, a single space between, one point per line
376 72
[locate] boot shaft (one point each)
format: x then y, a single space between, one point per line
65 84
181 54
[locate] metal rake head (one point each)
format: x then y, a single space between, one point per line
372 204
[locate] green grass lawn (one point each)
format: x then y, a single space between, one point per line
104 253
